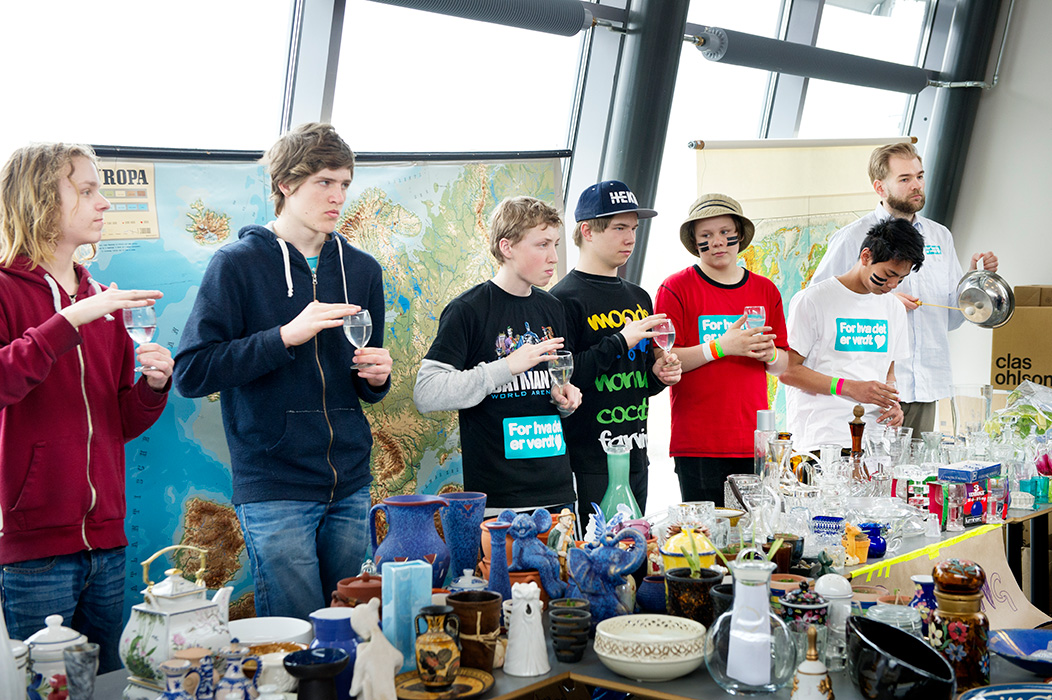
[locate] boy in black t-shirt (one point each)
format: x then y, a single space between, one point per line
610 325
489 359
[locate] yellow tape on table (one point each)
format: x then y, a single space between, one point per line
883 567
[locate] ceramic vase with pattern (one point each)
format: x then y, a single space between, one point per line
437 647
411 534
958 629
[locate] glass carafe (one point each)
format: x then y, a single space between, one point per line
618 489
739 640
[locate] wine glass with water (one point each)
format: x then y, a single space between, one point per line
665 335
755 317
560 368
359 329
141 324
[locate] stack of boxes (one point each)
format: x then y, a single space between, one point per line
973 475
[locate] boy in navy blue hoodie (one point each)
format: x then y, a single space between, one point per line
265 331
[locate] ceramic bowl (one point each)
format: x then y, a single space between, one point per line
266 630
650 647
886 663
1016 645
865 597
783 583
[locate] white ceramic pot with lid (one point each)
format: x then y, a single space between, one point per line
46 645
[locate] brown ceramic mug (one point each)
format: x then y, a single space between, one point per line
479 613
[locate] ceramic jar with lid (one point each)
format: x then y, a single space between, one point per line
357 590
837 590
801 609
468 582
958 629
46 645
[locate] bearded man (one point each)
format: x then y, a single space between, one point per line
897 174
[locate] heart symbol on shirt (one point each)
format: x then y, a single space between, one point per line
881 339
558 442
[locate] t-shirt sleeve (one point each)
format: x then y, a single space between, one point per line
776 317
802 330
668 302
454 336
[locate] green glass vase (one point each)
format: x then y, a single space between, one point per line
619 489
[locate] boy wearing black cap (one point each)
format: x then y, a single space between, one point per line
610 325
725 365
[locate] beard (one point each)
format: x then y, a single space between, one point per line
907 205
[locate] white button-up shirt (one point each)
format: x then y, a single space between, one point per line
926 375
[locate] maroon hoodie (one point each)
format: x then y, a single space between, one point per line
68 404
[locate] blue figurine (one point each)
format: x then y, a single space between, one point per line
529 552
597 570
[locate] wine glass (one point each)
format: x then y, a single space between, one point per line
141 324
358 328
560 368
755 317
666 335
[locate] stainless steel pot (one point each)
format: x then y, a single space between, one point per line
985 299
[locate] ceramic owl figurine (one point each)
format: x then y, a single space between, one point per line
527 654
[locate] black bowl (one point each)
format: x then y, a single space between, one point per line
886 663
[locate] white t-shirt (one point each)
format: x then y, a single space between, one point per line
843 334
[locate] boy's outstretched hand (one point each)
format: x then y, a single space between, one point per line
532 354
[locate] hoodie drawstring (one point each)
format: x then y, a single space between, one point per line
343 273
288 267
56 294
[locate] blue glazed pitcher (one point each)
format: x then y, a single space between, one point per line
460 525
411 533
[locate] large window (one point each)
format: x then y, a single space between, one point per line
417 81
891 30
192 74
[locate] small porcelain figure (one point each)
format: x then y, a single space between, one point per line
378 661
528 552
561 538
527 654
811 681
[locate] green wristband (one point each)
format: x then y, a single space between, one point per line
832 386
719 350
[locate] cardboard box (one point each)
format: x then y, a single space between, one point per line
1022 348
969 472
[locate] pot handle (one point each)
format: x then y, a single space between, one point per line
452 627
200 576
372 523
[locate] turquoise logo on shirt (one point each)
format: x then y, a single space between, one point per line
712 327
861 335
933 249
533 436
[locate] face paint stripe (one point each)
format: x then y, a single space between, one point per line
703 247
878 280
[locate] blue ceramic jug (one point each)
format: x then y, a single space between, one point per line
411 534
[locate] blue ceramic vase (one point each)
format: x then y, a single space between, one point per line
499 581
332 630
923 599
460 525
411 534
877 544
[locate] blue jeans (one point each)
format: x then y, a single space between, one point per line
299 550
86 589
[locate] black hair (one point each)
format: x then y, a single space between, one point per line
897 240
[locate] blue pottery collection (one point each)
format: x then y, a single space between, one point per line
332 630
460 525
411 533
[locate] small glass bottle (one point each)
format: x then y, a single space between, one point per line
857 427
958 629
764 433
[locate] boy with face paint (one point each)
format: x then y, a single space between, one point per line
725 365
845 335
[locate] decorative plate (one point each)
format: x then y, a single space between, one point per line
470 682
1010 691
1016 645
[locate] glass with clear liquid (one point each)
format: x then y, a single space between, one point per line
359 329
141 324
755 317
665 335
560 369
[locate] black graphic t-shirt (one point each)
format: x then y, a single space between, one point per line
512 442
615 381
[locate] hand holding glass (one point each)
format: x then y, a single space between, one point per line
359 329
560 368
755 317
141 324
665 336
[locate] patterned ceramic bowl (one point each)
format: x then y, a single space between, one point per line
650 647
